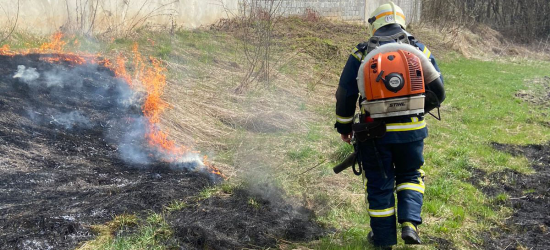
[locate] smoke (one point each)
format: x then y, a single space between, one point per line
190 161
80 98
57 79
258 171
68 121
131 144
26 75
72 119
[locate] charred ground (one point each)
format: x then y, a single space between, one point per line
527 195
62 168
243 219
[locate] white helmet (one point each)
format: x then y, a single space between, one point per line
386 14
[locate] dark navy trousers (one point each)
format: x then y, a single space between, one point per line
401 163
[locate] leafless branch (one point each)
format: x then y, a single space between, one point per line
256 21
14 24
152 13
122 22
92 22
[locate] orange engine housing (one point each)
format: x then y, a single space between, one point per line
393 74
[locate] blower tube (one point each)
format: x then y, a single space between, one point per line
348 162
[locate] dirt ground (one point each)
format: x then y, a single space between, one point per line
529 226
66 153
537 93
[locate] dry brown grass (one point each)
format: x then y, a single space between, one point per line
252 135
208 114
477 42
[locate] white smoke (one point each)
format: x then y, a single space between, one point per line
53 79
72 119
190 161
130 145
26 75
89 97
62 77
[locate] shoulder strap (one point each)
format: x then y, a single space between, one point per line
362 47
359 51
412 39
400 37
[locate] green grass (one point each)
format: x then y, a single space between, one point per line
152 233
207 193
176 205
301 154
481 108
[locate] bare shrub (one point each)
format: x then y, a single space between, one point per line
256 23
83 16
522 20
12 23
311 15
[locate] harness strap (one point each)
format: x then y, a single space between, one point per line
400 37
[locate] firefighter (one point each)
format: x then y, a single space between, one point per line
399 152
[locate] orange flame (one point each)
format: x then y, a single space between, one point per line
5 50
56 44
120 69
54 51
151 76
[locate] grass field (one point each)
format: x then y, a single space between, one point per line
481 108
281 133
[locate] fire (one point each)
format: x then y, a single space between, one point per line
150 74
56 44
120 69
54 51
212 169
5 50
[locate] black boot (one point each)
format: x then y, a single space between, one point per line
409 233
370 238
